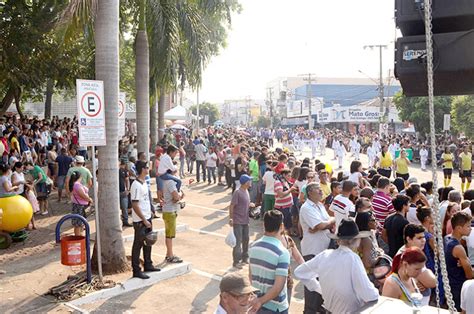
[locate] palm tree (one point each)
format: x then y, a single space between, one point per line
107 70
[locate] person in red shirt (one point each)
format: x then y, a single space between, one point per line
282 159
283 196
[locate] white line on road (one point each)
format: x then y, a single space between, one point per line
207 232
208 208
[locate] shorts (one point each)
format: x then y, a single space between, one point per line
78 210
170 224
51 169
60 182
448 171
268 202
465 174
403 176
42 191
220 170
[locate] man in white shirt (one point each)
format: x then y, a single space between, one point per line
342 207
201 151
141 215
316 225
357 148
345 286
423 157
371 155
340 153
236 294
167 167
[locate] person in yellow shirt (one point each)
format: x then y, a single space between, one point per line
400 166
324 183
447 161
385 162
465 168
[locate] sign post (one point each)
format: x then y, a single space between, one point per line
90 108
121 115
447 122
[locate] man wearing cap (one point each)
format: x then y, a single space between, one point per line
236 294
86 176
239 220
344 282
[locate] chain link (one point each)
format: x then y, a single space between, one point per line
438 227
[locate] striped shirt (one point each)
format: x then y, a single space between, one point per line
383 207
285 201
342 207
269 258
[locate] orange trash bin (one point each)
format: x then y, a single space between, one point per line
73 250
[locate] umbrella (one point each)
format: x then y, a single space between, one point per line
178 127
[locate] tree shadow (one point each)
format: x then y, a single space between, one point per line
121 303
201 300
217 225
215 215
40 304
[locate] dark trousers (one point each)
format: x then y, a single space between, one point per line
313 301
241 250
138 243
200 166
385 172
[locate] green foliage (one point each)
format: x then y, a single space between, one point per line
127 69
207 109
415 110
462 115
263 122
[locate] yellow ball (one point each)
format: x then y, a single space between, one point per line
15 213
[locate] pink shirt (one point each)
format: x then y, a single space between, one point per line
76 197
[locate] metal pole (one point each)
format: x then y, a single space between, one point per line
310 116
96 204
197 111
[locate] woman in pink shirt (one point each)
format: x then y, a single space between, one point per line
80 201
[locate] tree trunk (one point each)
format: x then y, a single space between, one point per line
154 123
18 102
161 115
49 98
7 100
107 70
142 81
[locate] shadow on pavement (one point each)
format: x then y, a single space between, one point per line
201 300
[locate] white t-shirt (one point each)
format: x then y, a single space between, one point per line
269 183
166 163
470 245
211 160
411 216
139 192
311 215
354 177
341 206
467 293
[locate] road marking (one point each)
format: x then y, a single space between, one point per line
208 208
207 275
207 232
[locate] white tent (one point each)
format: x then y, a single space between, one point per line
176 113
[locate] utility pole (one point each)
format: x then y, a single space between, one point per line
247 100
270 95
383 111
197 111
309 91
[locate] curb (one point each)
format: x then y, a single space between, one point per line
133 284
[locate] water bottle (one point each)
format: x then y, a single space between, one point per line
416 302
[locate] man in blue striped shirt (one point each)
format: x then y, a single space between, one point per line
269 262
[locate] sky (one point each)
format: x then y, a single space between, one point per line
275 38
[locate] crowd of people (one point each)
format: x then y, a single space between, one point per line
364 231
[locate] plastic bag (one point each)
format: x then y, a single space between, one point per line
230 240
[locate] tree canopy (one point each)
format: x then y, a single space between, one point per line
207 109
462 115
415 110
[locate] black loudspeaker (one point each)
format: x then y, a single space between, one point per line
448 16
453 64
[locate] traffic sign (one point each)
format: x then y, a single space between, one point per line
121 115
90 109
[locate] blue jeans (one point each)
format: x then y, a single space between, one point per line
124 207
200 166
168 176
241 250
211 170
